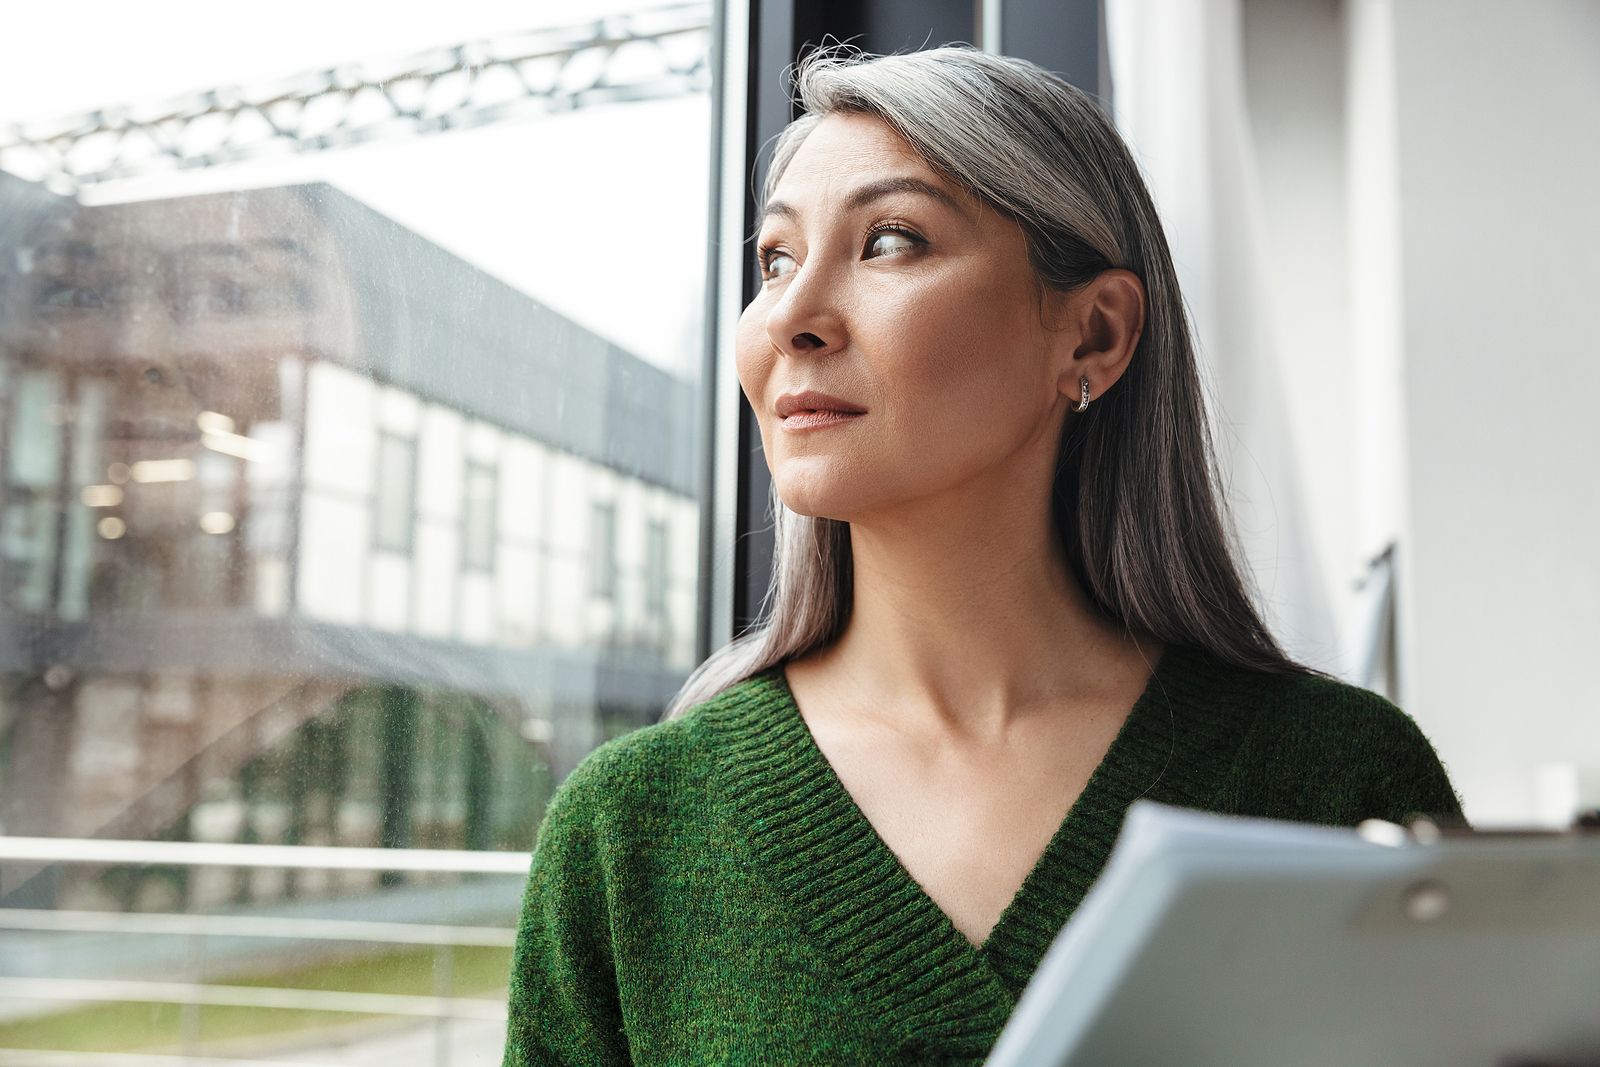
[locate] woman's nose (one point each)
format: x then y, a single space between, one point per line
805 319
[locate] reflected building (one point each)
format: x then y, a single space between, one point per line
312 531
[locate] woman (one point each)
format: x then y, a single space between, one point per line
1004 606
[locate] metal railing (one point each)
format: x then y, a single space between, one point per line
644 54
442 1006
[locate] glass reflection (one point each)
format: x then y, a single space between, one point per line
232 423
313 532
320 524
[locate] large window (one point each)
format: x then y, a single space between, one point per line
318 353
370 451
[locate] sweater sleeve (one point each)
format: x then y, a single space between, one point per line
1410 779
563 1004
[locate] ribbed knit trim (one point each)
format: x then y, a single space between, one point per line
1175 747
902 956
911 969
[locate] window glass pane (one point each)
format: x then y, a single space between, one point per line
603 551
655 589
393 491
328 513
480 533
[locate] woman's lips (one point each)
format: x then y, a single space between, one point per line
816 420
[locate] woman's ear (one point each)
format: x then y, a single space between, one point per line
1108 314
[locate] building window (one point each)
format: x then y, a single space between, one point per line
603 550
478 528
395 500
655 570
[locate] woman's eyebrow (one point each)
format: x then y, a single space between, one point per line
875 190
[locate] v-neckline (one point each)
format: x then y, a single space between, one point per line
886 935
1092 799
1089 800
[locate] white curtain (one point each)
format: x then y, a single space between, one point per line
1179 100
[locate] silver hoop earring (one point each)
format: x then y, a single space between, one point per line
1083 405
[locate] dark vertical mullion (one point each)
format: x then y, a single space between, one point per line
1063 36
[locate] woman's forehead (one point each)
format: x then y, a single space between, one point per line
850 159
843 142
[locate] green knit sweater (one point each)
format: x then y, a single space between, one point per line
705 891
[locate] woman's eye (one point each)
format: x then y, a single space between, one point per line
889 233
769 256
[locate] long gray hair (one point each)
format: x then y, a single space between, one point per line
1135 500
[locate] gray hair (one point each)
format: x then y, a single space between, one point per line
1135 498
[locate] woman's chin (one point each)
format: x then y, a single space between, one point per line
818 502
814 511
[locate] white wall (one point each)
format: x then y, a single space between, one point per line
1294 55
1428 172
1498 121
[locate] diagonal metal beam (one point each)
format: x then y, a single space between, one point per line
651 53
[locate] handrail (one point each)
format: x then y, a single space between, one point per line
142 991
193 995
256 926
27 1057
302 857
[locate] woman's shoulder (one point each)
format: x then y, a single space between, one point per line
664 759
1346 751
1333 715
1283 702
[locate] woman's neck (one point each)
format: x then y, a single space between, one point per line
970 625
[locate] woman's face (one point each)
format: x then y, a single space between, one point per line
915 309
